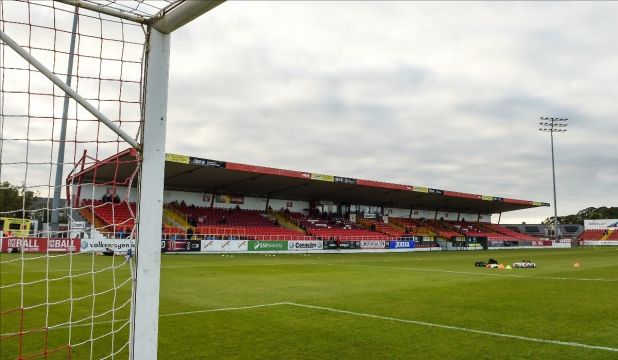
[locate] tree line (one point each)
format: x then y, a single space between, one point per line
19 202
590 213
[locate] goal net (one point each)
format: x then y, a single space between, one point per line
81 180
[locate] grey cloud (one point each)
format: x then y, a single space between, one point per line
445 95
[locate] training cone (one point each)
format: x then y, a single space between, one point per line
501 267
508 267
576 264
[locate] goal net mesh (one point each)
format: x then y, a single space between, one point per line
61 296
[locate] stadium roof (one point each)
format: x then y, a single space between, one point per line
193 174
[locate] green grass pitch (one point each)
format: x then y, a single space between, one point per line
333 306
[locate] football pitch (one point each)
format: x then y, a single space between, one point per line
425 305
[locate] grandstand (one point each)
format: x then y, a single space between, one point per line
211 199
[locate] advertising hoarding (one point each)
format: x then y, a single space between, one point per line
254 245
305 245
601 224
401 244
224 246
121 245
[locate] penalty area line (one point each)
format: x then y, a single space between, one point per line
83 323
457 328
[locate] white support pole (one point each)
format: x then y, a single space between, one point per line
145 314
67 89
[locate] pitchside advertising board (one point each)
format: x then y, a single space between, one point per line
224 246
340 245
401 244
180 245
603 224
600 243
40 245
254 245
118 245
373 244
305 245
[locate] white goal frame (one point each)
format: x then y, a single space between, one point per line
145 301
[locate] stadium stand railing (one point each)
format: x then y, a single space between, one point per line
235 222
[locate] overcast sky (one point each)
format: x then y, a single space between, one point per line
445 95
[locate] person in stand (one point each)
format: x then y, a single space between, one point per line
116 199
107 197
189 233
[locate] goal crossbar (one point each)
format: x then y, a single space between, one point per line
168 19
106 10
174 17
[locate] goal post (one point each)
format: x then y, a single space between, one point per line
118 101
148 260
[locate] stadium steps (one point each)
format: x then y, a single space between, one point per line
381 227
394 222
99 224
402 223
176 217
170 218
285 222
426 231
609 234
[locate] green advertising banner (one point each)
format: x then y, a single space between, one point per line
255 245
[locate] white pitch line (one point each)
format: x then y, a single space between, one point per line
224 309
474 273
457 328
367 315
165 315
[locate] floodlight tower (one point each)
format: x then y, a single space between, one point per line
553 125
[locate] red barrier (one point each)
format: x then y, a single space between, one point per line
40 245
